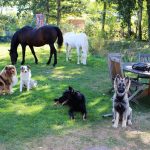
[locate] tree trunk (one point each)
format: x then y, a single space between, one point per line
140 5
58 12
129 26
48 11
104 16
148 13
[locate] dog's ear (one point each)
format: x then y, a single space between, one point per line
6 68
118 76
116 80
56 99
71 89
21 67
28 67
128 82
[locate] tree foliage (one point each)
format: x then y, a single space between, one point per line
111 15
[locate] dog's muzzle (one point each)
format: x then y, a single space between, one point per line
121 90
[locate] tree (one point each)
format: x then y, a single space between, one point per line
58 11
104 15
52 9
125 9
140 8
148 13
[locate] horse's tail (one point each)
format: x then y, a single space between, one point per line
60 37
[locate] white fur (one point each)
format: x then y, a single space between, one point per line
76 40
14 82
25 79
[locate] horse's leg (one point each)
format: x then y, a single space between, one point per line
23 54
33 52
52 49
67 51
55 56
78 55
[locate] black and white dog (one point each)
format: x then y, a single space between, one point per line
75 100
121 109
25 78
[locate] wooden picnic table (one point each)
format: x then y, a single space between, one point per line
127 67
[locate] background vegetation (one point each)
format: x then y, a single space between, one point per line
29 120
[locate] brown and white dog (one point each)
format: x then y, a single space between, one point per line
8 78
121 109
25 78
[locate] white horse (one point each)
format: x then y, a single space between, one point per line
76 40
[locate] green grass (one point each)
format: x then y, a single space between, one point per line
32 115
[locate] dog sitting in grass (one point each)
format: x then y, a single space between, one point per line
121 109
25 78
8 78
75 100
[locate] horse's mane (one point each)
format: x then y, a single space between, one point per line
15 38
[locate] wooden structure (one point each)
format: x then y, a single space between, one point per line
141 90
39 20
77 22
144 57
115 66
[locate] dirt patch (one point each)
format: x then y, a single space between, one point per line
99 137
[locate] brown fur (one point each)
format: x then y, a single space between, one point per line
6 78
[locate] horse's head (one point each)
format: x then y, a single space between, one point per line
13 56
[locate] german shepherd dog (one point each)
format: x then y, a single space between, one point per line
121 109
75 100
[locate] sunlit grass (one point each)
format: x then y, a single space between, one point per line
31 115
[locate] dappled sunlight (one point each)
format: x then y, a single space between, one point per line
22 109
57 127
143 136
103 108
60 73
94 102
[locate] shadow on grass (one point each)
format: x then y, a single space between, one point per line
32 114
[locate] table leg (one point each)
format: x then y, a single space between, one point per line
145 92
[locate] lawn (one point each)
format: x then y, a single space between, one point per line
31 121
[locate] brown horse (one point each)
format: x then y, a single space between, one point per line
35 37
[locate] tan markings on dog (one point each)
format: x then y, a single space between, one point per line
8 78
56 103
64 102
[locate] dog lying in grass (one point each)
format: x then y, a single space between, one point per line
75 100
121 109
8 78
25 78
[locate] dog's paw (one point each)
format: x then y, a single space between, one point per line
124 125
129 122
113 121
115 126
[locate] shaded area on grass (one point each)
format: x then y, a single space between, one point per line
30 119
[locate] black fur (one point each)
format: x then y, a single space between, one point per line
120 105
75 100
